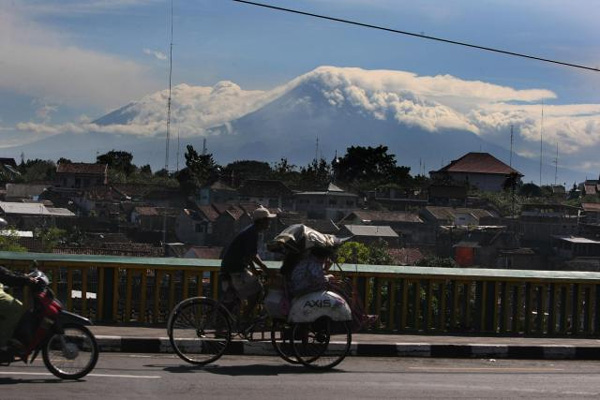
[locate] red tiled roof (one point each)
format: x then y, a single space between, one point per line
213 253
147 211
595 207
480 163
81 168
406 256
209 212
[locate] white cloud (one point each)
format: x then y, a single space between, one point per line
434 103
156 54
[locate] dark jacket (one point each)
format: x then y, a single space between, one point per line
10 278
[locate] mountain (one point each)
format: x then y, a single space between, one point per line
317 114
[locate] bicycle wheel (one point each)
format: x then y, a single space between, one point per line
199 330
71 354
281 339
322 344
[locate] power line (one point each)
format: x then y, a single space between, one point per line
438 39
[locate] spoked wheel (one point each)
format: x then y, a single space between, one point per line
199 330
71 354
281 339
322 344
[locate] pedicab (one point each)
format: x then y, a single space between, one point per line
313 329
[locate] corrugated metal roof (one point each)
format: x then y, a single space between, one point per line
33 209
388 216
370 230
23 208
577 239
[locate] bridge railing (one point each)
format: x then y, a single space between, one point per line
406 299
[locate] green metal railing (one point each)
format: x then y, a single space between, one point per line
406 299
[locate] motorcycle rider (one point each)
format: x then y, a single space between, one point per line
11 309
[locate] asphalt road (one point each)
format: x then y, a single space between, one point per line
133 376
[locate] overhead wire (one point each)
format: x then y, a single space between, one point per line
418 35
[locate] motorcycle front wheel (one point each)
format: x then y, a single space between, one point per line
71 354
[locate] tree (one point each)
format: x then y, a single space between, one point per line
370 166
146 170
38 170
9 241
239 171
437 262
353 253
379 255
530 190
285 172
51 237
120 161
200 170
63 160
316 174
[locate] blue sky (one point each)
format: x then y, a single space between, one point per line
68 61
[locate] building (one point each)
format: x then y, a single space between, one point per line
269 193
217 193
409 226
333 203
29 216
480 170
368 234
459 216
81 175
538 223
196 226
591 213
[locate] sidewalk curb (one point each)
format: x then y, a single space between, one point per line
238 347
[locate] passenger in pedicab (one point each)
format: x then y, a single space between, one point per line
307 257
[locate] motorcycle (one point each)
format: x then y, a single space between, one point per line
69 349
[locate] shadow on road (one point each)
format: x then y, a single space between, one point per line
245 370
16 381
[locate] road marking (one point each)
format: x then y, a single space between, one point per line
94 375
486 369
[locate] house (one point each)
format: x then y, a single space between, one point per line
481 245
333 203
100 201
24 191
459 216
570 246
591 213
398 199
81 175
269 193
518 258
218 193
448 195
196 226
231 220
409 226
147 218
539 222
480 170
591 187
29 216
369 234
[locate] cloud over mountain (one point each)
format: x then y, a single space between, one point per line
346 106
